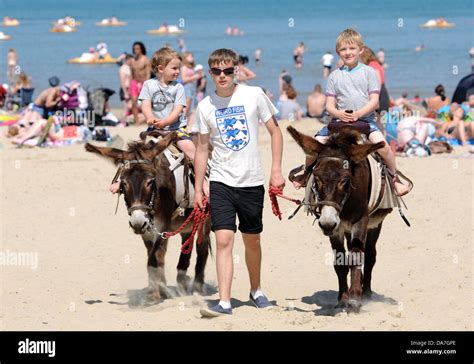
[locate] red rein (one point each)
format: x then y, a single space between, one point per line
199 217
277 191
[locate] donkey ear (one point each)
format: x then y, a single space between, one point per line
116 155
358 152
309 145
163 143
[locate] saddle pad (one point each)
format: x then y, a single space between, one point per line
177 167
388 200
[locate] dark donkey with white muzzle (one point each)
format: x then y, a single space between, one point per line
341 183
149 189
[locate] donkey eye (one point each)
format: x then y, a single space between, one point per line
344 182
150 182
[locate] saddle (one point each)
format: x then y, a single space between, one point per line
381 195
182 169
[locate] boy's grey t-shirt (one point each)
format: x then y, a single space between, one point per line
352 88
163 98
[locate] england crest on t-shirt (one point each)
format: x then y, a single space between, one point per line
233 128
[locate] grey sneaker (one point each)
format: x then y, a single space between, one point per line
261 302
215 311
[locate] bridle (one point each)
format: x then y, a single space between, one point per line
149 207
322 203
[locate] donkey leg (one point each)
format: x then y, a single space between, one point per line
160 271
202 255
370 258
356 261
153 291
183 264
337 244
156 271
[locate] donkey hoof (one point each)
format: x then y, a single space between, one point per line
342 304
165 292
354 305
367 295
198 287
153 296
183 282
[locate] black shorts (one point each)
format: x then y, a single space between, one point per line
246 202
384 100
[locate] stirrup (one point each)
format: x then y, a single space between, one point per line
396 178
302 178
294 171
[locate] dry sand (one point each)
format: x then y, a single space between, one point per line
91 269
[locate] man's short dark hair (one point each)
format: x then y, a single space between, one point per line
53 81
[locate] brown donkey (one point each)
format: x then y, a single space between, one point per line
149 189
341 183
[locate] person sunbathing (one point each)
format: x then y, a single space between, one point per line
457 123
47 130
415 127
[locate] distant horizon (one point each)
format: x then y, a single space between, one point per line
275 27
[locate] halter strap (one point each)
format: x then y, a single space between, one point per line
126 165
336 205
344 160
148 207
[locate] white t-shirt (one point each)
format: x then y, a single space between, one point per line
233 125
327 59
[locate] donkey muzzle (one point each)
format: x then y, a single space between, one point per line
139 221
329 220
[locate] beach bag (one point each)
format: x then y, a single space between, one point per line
101 135
438 146
69 99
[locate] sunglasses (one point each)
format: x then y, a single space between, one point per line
227 71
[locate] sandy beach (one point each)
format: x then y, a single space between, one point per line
87 270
